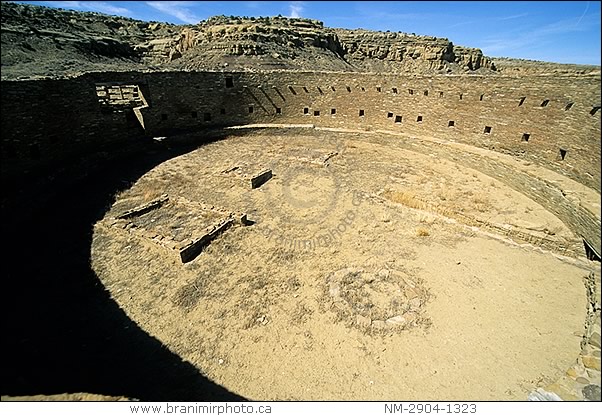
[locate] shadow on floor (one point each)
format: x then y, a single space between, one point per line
62 333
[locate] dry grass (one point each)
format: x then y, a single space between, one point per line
300 314
150 194
481 202
188 296
423 180
447 194
427 219
407 198
422 232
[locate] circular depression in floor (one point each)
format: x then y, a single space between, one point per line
355 280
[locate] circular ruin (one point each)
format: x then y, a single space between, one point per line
414 260
297 235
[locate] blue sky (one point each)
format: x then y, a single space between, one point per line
555 31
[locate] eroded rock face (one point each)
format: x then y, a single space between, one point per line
61 42
42 41
283 39
410 50
51 42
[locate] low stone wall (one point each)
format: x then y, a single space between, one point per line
581 381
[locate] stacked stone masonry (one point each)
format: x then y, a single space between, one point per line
553 121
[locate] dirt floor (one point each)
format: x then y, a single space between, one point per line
356 281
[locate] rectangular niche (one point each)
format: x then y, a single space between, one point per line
362 113
278 110
305 110
451 123
426 93
316 113
487 130
333 111
389 115
525 137
229 82
207 116
545 103
251 109
398 119
562 153
378 89
119 96
394 90
419 118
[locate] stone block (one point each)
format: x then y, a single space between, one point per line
592 393
260 178
396 321
562 392
594 340
147 207
591 362
192 249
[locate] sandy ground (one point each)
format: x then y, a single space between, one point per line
342 290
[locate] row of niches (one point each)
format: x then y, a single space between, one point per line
566 105
130 95
333 111
396 118
34 151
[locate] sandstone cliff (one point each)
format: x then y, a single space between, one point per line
307 44
42 41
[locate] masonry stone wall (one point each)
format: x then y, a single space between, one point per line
50 122
549 120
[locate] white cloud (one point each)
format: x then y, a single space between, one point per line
296 8
495 19
514 16
178 9
103 7
97 6
535 38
